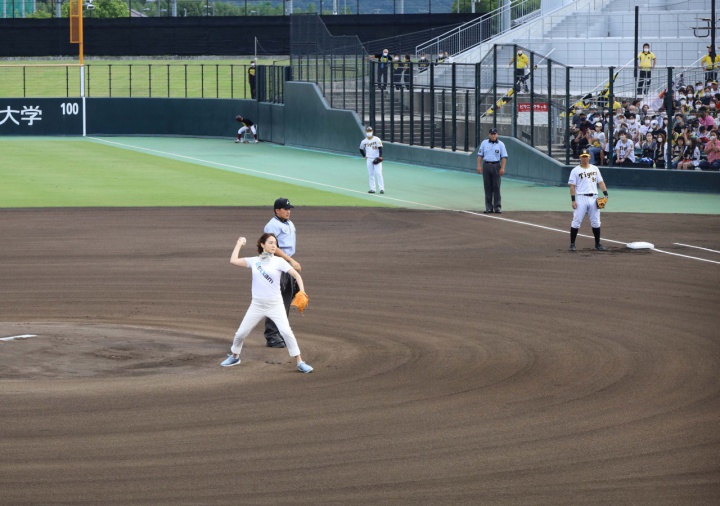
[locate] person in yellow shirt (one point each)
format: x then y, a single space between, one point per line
710 65
521 62
646 61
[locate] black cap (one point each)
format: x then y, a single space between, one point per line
493 130
282 203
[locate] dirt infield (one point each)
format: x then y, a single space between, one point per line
459 359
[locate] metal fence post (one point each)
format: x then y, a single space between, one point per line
495 112
567 115
453 141
611 103
670 111
550 117
532 99
432 105
478 96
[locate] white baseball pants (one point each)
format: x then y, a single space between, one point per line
244 129
259 309
375 172
586 205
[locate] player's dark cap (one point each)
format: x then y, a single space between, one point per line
493 130
585 152
282 203
368 128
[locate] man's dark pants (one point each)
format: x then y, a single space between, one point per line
382 75
288 289
491 179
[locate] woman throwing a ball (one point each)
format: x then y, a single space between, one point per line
266 298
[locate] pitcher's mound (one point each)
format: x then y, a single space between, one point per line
70 350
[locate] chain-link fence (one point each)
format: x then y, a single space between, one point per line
337 64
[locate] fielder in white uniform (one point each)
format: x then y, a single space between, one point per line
370 149
266 299
584 181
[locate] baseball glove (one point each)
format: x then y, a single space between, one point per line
300 301
377 160
601 202
238 118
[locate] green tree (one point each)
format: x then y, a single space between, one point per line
103 9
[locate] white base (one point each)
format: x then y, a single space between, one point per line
641 245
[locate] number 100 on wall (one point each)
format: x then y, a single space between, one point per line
70 108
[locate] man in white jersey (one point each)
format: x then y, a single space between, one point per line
584 181
371 150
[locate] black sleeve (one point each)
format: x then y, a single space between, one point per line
362 152
380 150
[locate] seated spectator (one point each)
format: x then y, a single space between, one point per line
633 128
661 150
648 147
624 150
712 150
581 140
702 137
705 119
597 141
678 152
645 127
691 157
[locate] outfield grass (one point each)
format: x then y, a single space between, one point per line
124 78
80 173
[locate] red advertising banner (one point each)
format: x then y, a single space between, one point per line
539 107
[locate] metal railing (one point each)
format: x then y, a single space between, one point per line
489 25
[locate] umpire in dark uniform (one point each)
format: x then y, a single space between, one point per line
492 156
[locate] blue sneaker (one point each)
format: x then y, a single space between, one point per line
303 367
231 361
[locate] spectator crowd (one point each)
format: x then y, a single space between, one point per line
641 136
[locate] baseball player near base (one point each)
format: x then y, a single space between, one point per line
371 150
584 181
247 124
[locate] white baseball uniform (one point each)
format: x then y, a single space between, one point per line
372 147
266 302
586 181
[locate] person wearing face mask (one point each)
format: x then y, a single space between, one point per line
384 61
371 150
710 64
251 79
624 150
712 150
440 57
423 63
521 62
633 128
645 127
646 62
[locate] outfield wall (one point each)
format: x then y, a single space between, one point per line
305 120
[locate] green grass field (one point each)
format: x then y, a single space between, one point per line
80 173
124 78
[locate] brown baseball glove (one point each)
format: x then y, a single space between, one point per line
300 301
601 202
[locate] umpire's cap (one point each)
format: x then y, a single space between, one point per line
493 131
282 203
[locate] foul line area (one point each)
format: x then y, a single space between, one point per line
400 201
